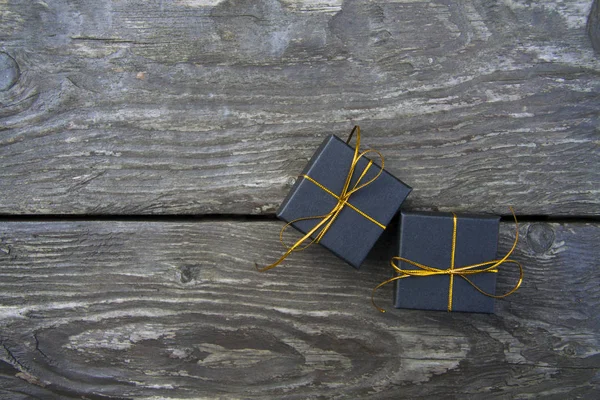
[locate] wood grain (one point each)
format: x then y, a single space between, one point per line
114 309
202 107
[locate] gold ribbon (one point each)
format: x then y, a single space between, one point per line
452 271
321 228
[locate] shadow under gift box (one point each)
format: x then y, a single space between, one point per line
351 236
426 238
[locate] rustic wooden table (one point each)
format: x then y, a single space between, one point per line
144 147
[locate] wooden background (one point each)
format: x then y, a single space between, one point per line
145 146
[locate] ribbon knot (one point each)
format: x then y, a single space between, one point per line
343 200
462 272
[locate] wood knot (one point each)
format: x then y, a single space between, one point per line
188 273
9 72
290 181
540 237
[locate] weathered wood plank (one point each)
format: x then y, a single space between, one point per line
195 107
176 310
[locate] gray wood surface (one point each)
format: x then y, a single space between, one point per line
202 107
176 310
211 108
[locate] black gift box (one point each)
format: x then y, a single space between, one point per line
351 235
426 238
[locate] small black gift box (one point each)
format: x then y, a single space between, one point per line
348 194
445 241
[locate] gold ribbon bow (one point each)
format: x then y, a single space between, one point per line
452 271
321 228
